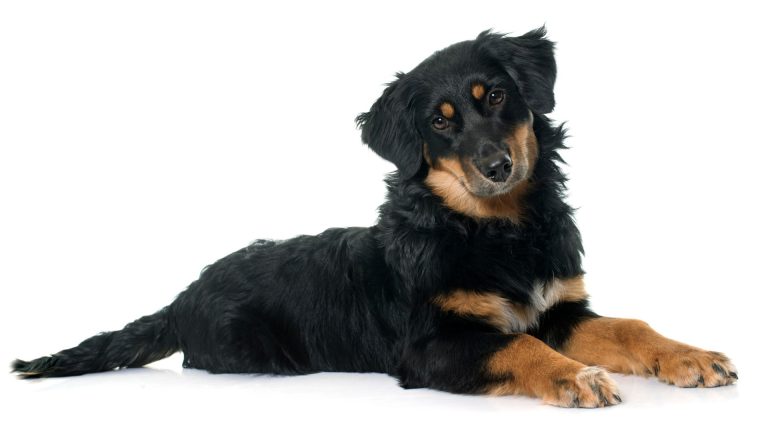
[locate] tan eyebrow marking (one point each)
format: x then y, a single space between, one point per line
447 110
478 91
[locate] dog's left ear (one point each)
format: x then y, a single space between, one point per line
530 60
389 128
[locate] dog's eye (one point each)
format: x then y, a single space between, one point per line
439 123
495 97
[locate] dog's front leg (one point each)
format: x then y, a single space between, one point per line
505 364
633 347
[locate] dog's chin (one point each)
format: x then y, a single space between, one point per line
484 188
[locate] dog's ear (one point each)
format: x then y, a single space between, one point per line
530 60
389 128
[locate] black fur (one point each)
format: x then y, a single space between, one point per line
360 299
143 341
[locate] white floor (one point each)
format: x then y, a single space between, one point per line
165 395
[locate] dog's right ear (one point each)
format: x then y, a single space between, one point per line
389 128
530 60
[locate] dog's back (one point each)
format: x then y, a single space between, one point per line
308 304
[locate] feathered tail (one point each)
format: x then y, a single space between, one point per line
143 341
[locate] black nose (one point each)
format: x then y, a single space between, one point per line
495 168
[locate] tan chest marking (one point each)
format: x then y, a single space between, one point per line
511 317
489 307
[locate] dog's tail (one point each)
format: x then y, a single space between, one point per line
143 341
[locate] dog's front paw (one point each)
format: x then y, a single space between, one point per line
693 367
590 387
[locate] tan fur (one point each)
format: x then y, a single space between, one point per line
507 316
448 178
633 347
567 290
523 147
447 110
490 307
524 354
543 297
478 91
528 366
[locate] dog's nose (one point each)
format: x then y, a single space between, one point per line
495 168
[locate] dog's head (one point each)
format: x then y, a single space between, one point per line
467 113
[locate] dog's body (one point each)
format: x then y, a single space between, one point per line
470 282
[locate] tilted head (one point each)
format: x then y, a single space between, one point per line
463 118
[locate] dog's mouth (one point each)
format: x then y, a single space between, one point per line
480 186
471 182
464 189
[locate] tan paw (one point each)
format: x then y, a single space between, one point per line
693 367
590 387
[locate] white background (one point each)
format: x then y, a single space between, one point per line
142 140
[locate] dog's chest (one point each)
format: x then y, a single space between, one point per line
506 315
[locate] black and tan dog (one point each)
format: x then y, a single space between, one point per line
470 282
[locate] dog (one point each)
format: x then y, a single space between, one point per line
470 282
